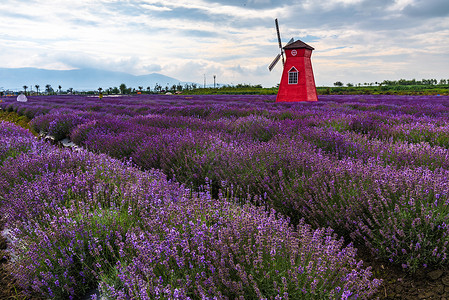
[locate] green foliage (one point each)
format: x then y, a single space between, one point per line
397 87
13 117
240 89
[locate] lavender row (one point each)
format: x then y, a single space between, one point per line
80 220
387 152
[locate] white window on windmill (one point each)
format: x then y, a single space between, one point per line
293 76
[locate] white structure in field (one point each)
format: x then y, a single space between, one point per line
22 98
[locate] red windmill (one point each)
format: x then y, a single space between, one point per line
297 82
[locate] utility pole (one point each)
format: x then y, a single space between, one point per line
214 80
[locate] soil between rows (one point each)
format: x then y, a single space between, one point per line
398 284
7 290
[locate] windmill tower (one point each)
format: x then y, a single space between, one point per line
297 81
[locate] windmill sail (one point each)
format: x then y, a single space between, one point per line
278 57
275 61
279 40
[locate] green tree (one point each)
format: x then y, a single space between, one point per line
37 88
123 88
338 83
48 89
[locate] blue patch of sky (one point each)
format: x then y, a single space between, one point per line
334 48
37 40
84 22
127 8
308 38
200 33
20 16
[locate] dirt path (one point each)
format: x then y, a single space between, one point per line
397 284
7 290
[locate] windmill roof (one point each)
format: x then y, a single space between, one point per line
298 45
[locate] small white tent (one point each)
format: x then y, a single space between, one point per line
22 98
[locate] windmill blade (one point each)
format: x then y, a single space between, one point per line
275 61
279 40
291 41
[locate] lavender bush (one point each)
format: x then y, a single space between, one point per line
58 124
13 141
79 220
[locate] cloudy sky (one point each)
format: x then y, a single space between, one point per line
355 41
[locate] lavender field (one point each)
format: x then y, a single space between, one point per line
223 196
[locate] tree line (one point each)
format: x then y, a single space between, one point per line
124 89
121 89
397 82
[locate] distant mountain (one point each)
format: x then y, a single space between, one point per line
79 79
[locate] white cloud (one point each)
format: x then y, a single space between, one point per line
155 7
401 4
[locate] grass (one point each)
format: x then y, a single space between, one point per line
20 120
